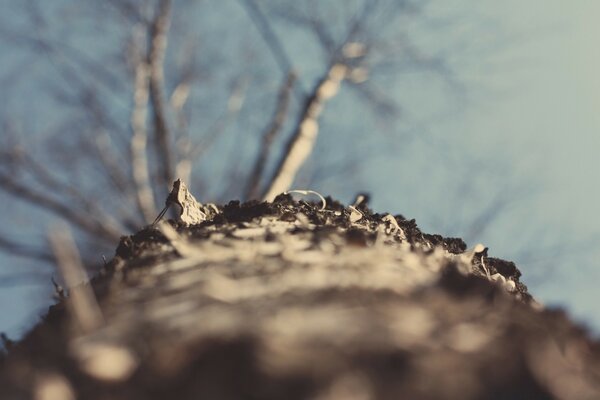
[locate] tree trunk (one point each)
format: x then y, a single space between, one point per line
284 300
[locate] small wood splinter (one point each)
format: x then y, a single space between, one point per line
191 211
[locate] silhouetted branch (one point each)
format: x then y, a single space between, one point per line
81 220
64 58
277 122
377 100
74 206
51 183
272 40
135 158
102 150
178 100
33 278
18 161
234 105
22 250
162 136
139 138
493 209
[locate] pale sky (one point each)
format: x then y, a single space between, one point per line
533 104
544 115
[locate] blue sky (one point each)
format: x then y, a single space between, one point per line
538 108
529 114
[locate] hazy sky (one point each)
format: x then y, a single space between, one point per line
554 116
543 114
532 111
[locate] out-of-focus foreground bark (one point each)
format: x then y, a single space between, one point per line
288 300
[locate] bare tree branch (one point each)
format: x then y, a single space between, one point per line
235 101
272 40
320 30
127 9
42 200
139 138
159 29
377 100
16 279
136 157
22 250
103 152
64 57
178 100
51 183
277 122
342 64
302 141
486 217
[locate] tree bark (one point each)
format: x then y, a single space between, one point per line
288 300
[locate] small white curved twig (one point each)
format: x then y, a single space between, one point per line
307 192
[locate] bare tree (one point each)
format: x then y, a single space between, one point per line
154 90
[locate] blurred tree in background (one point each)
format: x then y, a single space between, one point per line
106 103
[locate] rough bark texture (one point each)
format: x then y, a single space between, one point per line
283 300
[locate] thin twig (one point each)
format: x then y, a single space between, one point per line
274 127
139 138
16 279
305 192
21 250
43 176
234 105
102 150
64 55
159 29
302 141
103 130
268 34
178 100
81 220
